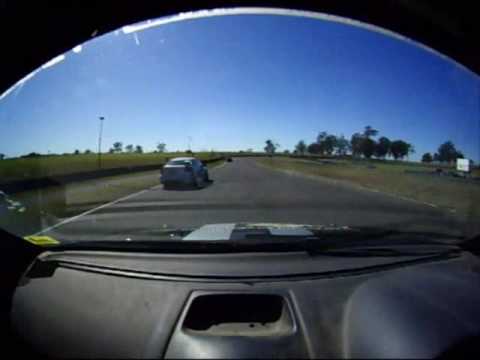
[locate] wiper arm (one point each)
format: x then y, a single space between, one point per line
383 252
184 246
350 242
176 246
373 233
312 246
472 244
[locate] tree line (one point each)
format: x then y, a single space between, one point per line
360 144
118 148
446 152
366 144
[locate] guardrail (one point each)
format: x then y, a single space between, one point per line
56 180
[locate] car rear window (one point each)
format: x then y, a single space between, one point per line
179 162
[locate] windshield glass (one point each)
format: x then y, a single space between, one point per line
179 162
302 121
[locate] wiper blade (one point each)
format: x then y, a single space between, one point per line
372 233
384 252
332 241
312 246
182 246
143 246
472 244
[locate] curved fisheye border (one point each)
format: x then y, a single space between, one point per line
191 15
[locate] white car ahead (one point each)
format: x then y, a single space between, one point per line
184 171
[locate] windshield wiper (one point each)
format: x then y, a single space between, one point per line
385 252
333 241
374 233
312 245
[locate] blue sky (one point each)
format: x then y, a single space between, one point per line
231 82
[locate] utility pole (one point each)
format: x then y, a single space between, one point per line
101 118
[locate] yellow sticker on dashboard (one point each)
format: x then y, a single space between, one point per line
41 240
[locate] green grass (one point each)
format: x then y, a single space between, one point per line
99 191
32 168
74 198
462 197
114 187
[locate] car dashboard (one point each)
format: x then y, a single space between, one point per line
243 305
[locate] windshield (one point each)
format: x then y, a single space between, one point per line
179 162
303 121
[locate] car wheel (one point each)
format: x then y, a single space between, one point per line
195 182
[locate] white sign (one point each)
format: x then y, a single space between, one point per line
463 165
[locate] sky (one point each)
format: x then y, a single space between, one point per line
231 82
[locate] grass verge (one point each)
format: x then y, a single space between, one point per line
457 196
74 198
55 165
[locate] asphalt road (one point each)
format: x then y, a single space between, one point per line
243 191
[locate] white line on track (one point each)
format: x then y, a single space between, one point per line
73 218
66 221
220 166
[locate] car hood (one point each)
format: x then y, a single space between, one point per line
241 231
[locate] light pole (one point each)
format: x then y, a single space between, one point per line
101 118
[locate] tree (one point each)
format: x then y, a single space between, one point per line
31 155
321 137
138 149
460 155
301 147
270 147
314 148
368 147
448 153
88 151
369 131
436 157
286 151
111 150
342 145
76 152
117 147
161 147
396 149
382 147
427 158
2 156
399 149
356 144
329 144
129 148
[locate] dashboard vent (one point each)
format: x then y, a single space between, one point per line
238 314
